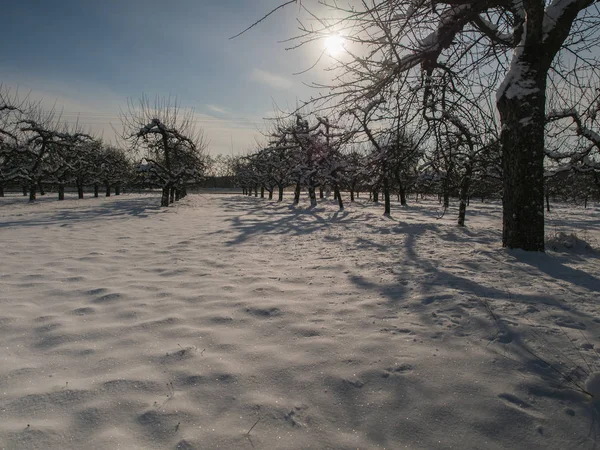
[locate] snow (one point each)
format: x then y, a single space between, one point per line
553 15
507 37
126 325
430 41
592 385
518 82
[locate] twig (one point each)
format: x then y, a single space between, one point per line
263 18
252 427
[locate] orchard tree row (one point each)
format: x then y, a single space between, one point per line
470 75
448 155
160 149
37 150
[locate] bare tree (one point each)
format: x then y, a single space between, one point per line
171 149
398 44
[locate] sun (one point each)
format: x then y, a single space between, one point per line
334 45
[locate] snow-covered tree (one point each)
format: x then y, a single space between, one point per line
399 46
171 150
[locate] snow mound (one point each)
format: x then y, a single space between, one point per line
592 385
567 242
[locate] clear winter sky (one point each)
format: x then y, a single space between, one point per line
90 56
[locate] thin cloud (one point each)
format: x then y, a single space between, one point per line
217 109
97 111
270 79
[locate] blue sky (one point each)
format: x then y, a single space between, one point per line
89 57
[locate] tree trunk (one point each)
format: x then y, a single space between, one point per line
24 190
351 196
376 196
164 199
280 199
547 202
108 190
321 192
117 189
32 189
313 195
183 191
336 191
297 193
522 114
39 183
271 194
386 197
256 191
465 184
1 190
262 192
177 194
172 194
61 191
80 190
96 188
402 192
446 193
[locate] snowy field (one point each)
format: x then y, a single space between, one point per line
237 323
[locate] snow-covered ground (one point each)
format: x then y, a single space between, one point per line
238 323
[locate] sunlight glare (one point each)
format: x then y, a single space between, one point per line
334 45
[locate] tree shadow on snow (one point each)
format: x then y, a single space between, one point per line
86 211
263 219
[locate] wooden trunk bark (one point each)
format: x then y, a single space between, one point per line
32 189
465 185
446 194
312 195
164 199
297 193
522 113
336 191
386 197
402 192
